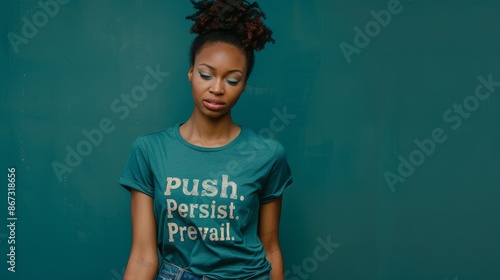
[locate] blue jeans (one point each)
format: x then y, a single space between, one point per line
170 271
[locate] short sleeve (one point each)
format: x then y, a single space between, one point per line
279 177
137 173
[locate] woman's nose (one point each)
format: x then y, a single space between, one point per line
217 87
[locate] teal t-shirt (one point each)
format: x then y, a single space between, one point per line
206 200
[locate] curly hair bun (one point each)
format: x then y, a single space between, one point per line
240 17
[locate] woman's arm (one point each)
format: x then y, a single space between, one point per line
143 260
269 220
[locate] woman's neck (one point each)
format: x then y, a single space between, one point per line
205 132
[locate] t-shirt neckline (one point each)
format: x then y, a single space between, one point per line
207 149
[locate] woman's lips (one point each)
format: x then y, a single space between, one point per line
213 104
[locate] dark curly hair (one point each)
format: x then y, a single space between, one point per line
236 22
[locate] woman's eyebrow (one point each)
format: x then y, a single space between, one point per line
212 68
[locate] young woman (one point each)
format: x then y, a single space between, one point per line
206 193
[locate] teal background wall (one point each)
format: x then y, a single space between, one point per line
358 102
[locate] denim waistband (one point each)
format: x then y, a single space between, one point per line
169 271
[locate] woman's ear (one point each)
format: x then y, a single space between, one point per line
190 74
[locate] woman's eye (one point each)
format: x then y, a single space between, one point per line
205 76
232 82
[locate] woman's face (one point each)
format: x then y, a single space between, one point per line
217 79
